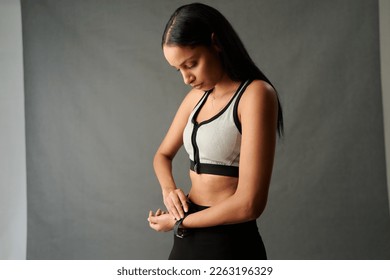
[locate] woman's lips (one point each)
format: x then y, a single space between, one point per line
197 86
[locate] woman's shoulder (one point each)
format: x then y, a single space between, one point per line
259 91
261 86
258 106
192 98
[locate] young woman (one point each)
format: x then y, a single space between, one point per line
228 124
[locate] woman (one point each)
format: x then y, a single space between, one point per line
228 124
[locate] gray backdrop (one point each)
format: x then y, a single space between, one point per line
100 97
13 192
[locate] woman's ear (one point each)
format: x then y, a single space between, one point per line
215 42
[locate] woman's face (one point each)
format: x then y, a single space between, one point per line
200 66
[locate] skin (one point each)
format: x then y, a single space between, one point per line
232 200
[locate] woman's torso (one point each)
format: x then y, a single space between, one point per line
222 131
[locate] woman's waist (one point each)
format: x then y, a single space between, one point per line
208 191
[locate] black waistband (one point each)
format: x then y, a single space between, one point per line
216 169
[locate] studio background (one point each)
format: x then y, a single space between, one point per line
99 98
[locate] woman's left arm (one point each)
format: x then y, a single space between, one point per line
258 111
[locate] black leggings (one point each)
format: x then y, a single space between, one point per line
227 242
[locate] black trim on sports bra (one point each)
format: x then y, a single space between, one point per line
235 109
215 169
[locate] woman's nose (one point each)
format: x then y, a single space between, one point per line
188 78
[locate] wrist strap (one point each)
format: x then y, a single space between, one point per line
180 232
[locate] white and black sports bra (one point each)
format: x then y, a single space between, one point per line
214 145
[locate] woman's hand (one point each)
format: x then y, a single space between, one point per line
161 221
176 203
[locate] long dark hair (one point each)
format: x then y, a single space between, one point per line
198 24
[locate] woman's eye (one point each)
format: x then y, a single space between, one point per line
186 67
191 66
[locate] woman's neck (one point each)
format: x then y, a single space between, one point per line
225 86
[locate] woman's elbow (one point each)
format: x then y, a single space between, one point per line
252 211
159 156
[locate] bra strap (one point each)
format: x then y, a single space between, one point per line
235 108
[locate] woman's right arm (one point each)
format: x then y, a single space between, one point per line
174 198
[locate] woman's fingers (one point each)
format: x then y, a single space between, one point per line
183 201
176 203
163 222
152 218
160 212
178 207
169 202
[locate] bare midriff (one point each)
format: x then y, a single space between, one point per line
208 189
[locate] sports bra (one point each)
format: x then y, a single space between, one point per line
214 145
